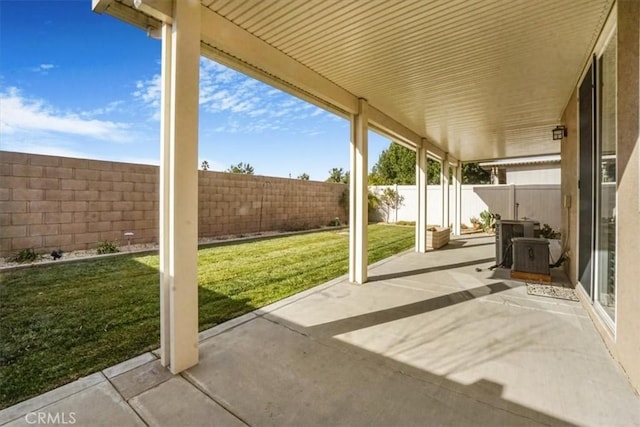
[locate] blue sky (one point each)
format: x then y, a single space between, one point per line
78 84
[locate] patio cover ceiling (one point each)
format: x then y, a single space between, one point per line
479 79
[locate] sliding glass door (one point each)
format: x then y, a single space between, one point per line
605 260
586 109
597 184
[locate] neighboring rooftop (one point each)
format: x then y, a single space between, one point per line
535 160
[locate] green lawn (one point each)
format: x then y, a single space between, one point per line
62 322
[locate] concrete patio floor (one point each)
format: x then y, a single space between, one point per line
429 341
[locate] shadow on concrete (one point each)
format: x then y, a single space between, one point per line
389 276
315 378
373 318
461 243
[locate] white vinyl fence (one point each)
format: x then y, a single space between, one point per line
538 202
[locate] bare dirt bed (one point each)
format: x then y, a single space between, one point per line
46 258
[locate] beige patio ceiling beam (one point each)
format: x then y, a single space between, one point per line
395 130
225 42
223 35
126 13
452 160
162 10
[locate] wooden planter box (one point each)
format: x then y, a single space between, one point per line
438 238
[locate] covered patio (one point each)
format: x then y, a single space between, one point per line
456 81
429 341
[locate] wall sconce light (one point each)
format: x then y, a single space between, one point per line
559 132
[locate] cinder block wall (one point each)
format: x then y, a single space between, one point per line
49 202
236 204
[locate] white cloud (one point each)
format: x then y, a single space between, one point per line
21 114
42 68
107 109
246 105
148 91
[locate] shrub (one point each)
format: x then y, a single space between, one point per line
296 226
344 201
335 222
488 220
107 247
25 255
390 200
372 201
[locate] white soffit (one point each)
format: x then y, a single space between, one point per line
482 79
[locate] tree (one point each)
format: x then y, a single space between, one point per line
433 171
242 168
338 175
390 200
304 176
205 165
472 173
397 165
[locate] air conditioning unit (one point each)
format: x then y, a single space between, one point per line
531 255
507 230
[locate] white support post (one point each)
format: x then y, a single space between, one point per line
179 183
165 150
421 198
352 201
444 188
359 190
457 180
